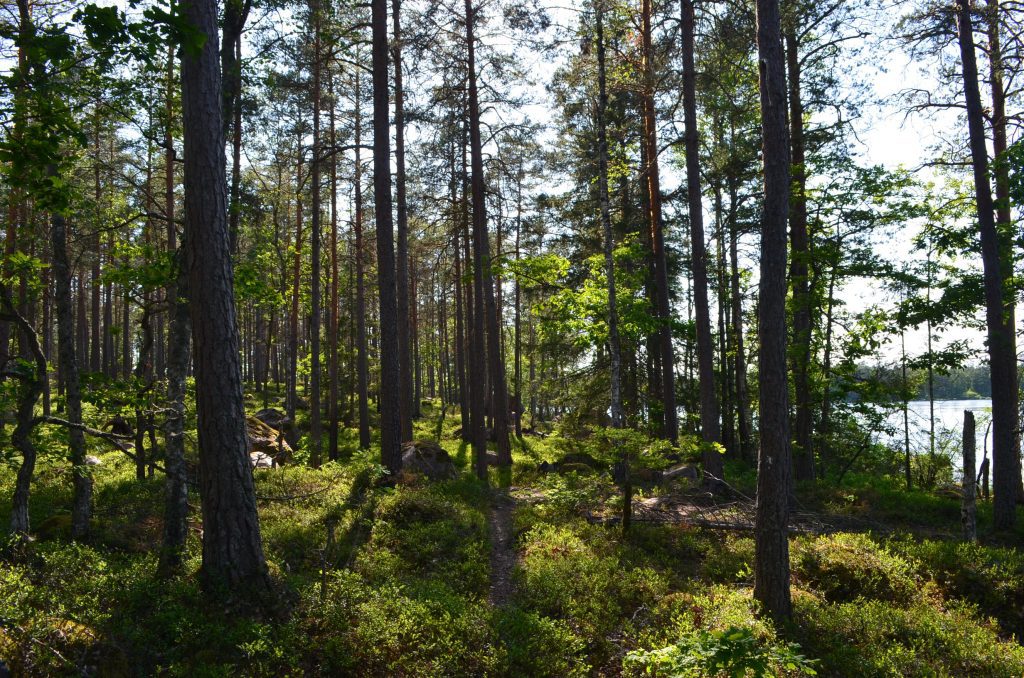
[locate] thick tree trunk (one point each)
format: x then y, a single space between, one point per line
232 548
1002 358
800 350
175 532
968 508
1001 170
481 269
709 415
81 507
409 404
774 479
390 368
657 234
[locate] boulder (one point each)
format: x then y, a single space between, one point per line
93 460
580 458
687 471
267 446
275 419
427 458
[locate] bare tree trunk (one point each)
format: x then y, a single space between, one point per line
29 393
315 282
233 557
410 407
618 416
81 507
1002 358
390 368
1001 170
362 361
481 251
175 532
657 235
800 351
774 474
968 509
709 414
332 332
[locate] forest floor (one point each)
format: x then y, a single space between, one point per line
529 575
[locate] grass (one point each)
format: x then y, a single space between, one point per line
403 588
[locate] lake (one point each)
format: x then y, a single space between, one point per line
949 421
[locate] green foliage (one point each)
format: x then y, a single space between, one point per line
734 652
881 638
847 566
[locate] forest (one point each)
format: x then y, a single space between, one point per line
511 338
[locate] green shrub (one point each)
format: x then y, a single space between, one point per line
880 638
989 576
846 566
733 652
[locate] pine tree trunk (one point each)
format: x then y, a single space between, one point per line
362 360
800 350
1002 358
233 557
774 473
618 417
315 281
709 413
81 507
405 382
390 368
481 270
657 235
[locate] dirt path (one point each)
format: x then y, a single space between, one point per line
503 553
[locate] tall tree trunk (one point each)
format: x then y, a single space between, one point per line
405 383
315 282
657 234
618 416
293 334
481 268
332 332
175 532
390 368
1002 358
30 390
235 14
800 350
774 473
232 548
709 414
1001 170
362 360
81 507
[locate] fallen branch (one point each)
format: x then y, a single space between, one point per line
112 438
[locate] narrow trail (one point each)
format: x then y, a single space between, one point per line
503 553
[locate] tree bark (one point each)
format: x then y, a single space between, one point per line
362 360
390 368
315 281
81 507
233 557
709 414
481 252
405 383
774 480
1002 358
800 350
657 235
618 416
